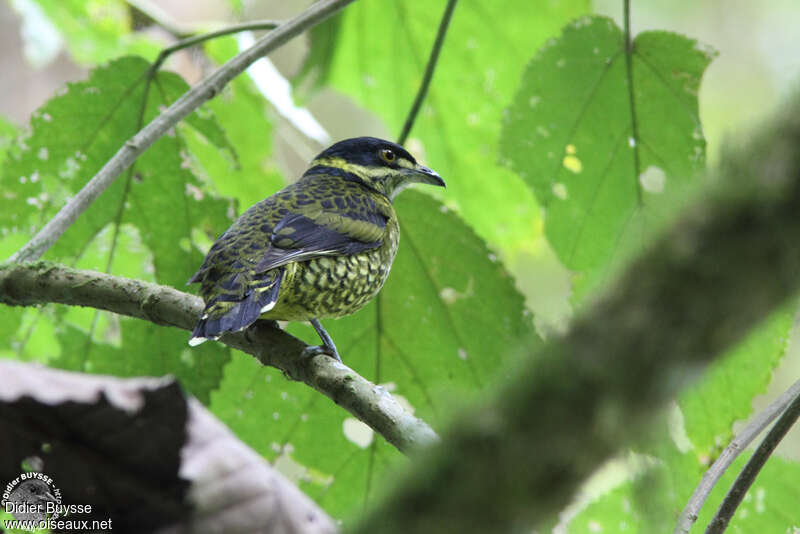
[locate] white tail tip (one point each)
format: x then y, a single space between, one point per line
197 340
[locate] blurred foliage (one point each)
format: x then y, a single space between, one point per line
96 31
647 503
450 314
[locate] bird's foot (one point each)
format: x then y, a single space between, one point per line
328 346
314 350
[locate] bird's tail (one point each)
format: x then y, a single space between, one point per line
223 314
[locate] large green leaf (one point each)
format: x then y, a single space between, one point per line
71 137
438 333
604 172
75 133
379 58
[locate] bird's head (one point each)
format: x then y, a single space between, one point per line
381 165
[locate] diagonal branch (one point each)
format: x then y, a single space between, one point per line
182 107
30 284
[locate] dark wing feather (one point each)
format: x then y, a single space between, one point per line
299 237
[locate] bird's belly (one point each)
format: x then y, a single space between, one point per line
332 286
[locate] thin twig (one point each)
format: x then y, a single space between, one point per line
429 69
30 284
632 98
196 39
182 107
718 468
748 475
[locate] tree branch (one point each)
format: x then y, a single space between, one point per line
748 475
44 282
723 268
182 107
731 452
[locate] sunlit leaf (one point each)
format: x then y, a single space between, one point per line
598 167
725 393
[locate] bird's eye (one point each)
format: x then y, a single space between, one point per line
387 155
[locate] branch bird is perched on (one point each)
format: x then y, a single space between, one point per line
321 247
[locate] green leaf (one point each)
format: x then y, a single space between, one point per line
72 137
439 332
379 58
725 393
97 31
204 120
8 132
316 67
570 134
145 351
161 202
242 112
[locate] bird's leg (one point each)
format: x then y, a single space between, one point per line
327 346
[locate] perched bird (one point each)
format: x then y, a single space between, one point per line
320 247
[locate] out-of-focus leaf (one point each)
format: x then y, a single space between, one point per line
97 30
8 132
379 58
242 112
604 174
440 331
316 67
71 137
653 501
678 459
204 120
725 393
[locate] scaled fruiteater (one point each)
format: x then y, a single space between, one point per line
320 247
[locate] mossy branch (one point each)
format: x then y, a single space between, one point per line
30 284
515 461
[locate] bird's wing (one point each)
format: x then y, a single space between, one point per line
305 236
